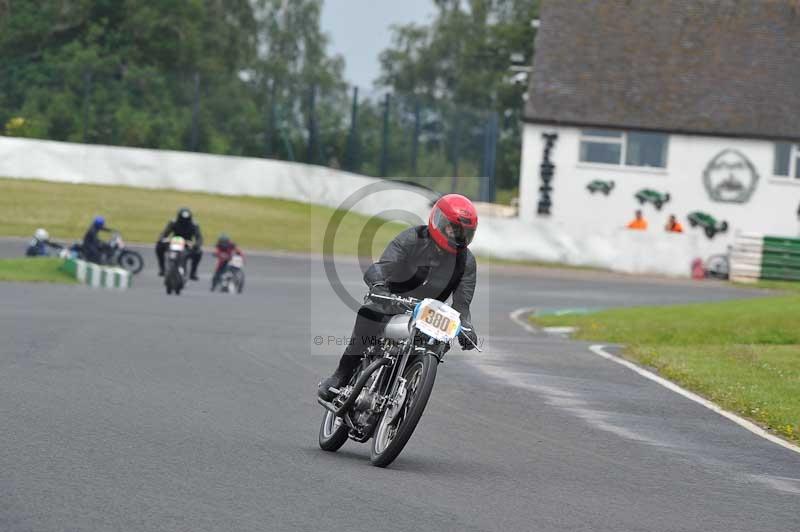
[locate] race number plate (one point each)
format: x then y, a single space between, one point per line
437 320
237 261
177 243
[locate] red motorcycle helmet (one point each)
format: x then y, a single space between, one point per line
452 222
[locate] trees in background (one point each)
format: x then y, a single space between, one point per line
461 63
177 74
254 77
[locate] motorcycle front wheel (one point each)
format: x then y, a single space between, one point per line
131 261
332 432
395 429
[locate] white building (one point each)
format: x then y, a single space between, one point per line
696 101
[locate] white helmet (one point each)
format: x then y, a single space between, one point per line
41 235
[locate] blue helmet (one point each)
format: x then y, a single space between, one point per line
99 222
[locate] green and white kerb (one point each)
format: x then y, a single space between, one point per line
98 276
756 256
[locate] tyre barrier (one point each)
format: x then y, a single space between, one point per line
97 276
755 257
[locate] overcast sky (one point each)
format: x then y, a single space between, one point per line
359 31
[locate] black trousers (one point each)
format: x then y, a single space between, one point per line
97 253
195 254
369 325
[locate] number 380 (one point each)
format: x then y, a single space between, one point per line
437 320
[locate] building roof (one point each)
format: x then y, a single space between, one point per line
716 67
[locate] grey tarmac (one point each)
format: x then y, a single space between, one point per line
138 411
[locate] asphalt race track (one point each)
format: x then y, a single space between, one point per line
140 411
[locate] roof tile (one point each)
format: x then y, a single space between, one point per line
729 67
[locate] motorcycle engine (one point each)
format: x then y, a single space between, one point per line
366 404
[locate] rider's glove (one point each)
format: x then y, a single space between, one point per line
466 335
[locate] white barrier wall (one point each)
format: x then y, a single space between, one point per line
595 222
219 174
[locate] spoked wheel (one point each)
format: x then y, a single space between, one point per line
397 424
332 432
131 261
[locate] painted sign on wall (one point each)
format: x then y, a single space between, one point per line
730 177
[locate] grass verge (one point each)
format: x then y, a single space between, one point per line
44 270
743 355
65 210
782 286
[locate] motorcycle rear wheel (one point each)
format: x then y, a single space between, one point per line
332 432
130 260
391 436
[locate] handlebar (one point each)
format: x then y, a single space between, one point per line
189 243
409 301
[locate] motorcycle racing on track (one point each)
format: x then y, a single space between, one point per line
175 265
402 333
386 397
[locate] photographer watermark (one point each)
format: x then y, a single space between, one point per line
347 340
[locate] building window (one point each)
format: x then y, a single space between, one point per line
630 148
787 160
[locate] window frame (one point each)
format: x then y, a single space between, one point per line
792 174
622 141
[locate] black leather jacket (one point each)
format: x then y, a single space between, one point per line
413 265
187 230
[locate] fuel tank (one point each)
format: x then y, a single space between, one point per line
397 327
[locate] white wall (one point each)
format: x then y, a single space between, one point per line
111 165
584 218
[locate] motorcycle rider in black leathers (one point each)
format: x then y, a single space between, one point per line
184 226
94 249
424 261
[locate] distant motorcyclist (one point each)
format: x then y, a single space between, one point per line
226 249
93 248
39 245
183 226
425 261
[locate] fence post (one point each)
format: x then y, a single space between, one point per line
415 140
195 138
487 192
87 94
269 134
352 155
385 142
287 145
311 147
455 153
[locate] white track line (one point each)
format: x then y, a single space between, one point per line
749 425
517 317
599 350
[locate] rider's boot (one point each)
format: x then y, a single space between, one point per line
340 377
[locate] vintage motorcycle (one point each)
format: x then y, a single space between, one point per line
127 259
386 397
175 265
116 254
231 279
